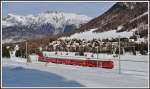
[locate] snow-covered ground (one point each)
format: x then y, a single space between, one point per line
16 73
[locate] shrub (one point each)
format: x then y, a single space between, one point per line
5 52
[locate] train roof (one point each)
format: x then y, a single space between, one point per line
74 57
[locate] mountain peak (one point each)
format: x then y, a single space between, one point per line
45 24
53 11
51 17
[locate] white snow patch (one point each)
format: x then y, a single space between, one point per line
11 40
89 35
7 41
133 30
145 13
139 40
119 27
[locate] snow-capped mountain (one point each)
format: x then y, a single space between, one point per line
16 27
126 19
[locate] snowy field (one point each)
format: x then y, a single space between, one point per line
16 73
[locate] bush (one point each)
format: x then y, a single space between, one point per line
20 53
5 52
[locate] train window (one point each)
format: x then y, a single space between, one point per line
93 61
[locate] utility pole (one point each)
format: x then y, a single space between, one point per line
21 53
138 36
28 59
97 52
119 64
97 56
26 49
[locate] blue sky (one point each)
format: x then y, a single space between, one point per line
91 9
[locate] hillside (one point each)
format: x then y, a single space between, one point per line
123 17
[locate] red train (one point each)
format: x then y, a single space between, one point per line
85 62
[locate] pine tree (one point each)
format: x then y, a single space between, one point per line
20 53
5 52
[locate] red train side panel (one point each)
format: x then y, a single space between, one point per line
88 63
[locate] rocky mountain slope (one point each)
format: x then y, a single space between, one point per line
128 17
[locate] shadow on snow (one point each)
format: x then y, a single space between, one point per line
21 77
